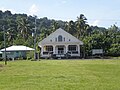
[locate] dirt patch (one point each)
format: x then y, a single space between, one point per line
1 65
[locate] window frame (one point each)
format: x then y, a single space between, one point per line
60 38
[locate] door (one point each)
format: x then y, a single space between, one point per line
60 49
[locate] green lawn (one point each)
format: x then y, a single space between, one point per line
60 75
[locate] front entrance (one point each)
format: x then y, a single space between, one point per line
60 49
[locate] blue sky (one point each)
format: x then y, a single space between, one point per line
102 13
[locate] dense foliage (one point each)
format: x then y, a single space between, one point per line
19 29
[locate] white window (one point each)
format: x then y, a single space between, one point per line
72 47
48 48
56 39
59 38
64 38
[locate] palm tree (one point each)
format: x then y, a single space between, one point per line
80 24
11 35
24 27
71 27
87 30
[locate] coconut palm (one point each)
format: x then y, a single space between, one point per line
11 35
80 24
24 27
71 27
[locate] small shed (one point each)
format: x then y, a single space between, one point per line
14 52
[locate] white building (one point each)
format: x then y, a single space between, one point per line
13 52
60 44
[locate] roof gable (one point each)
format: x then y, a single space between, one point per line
53 38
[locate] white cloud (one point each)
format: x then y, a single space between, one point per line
95 23
5 9
33 10
64 1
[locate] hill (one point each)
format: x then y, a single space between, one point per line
19 29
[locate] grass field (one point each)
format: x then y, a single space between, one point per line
60 75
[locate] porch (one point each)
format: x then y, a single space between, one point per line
60 51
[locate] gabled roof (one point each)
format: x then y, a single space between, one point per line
17 48
68 38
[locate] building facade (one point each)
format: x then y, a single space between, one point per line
60 44
14 52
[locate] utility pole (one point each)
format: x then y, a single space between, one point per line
35 38
5 46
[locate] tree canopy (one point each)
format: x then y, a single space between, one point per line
19 29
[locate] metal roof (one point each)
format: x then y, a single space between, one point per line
17 48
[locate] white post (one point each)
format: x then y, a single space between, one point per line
5 46
35 39
41 51
54 49
78 49
66 48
